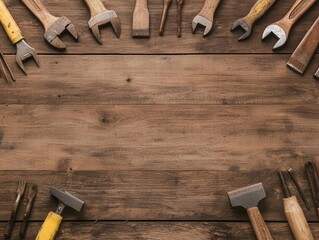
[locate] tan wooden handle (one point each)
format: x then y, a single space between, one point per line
40 11
296 219
261 230
141 5
258 10
295 12
96 7
209 8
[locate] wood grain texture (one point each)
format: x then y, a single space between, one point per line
193 79
220 41
149 195
161 230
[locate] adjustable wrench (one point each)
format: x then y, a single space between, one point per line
53 26
206 16
24 51
247 22
282 27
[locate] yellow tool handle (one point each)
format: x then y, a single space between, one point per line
258 10
9 25
50 227
296 219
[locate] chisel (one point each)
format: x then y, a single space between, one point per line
141 19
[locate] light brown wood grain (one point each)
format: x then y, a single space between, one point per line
258 223
141 19
209 8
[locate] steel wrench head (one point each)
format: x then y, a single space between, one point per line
24 51
242 23
105 17
59 26
204 22
278 32
317 74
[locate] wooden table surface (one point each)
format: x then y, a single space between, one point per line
153 133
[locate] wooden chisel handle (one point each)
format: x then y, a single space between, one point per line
96 7
39 10
258 10
9 24
296 219
209 9
295 12
261 230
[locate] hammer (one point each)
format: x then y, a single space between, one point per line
249 197
52 222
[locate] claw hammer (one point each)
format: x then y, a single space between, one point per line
13 31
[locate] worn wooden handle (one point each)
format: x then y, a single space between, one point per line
296 219
261 230
258 10
296 11
209 8
39 10
96 7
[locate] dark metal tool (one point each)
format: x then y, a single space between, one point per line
6 70
302 195
313 180
249 197
54 26
100 16
316 76
52 222
20 193
32 192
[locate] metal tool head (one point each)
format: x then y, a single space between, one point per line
67 199
247 197
24 51
241 23
204 22
105 17
21 187
32 191
278 32
317 74
59 26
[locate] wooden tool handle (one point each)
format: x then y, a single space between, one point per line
141 5
258 10
9 25
261 230
209 8
167 3
50 227
39 10
295 12
96 7
296 219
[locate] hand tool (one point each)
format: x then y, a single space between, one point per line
100 16
52 222
141 19
302 195
32 192
249 197
167 3
313 181
24 51
247 22
316 76
206 16
6 70
20 193
53 26
180 4
301 57
294 214
282 27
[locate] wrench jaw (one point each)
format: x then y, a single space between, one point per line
204 22
278 33
316 76
247 29
24 51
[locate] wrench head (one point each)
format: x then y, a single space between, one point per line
24 51
204 22
242 23
317 74
278 32
59 26
105 17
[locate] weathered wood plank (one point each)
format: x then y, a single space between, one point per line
150 195
205 79
161 230
163 137
220 41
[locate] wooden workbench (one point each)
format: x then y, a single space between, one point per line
152 133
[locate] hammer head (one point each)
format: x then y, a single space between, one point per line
67 199
247 197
